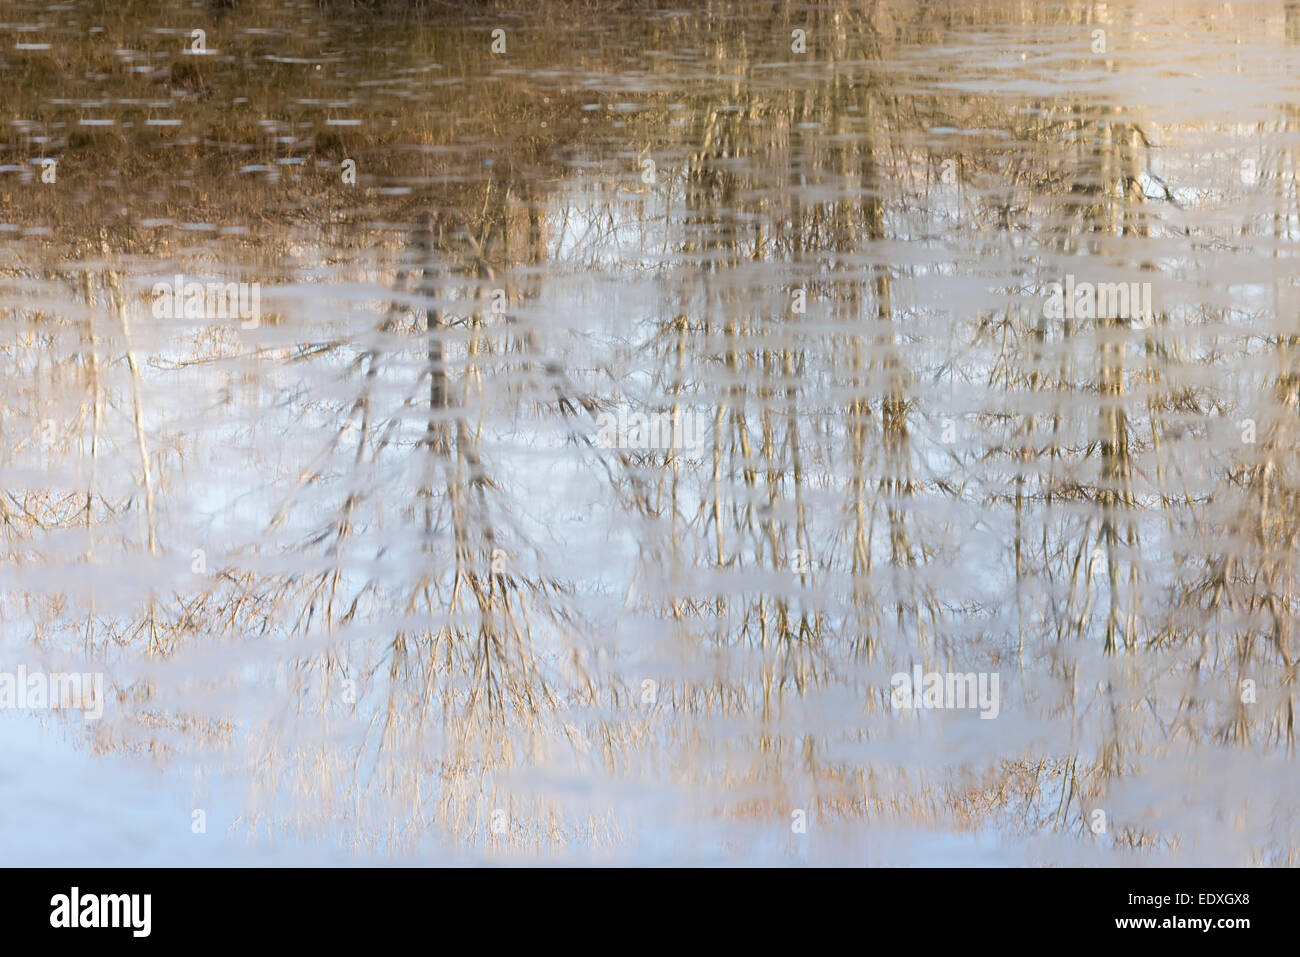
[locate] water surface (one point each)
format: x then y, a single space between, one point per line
364 576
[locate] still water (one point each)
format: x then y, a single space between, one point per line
836 433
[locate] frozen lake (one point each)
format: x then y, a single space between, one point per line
861 433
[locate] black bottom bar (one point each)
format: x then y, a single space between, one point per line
528 906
